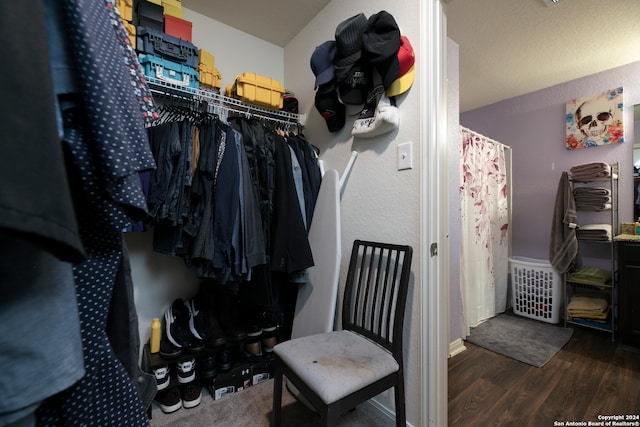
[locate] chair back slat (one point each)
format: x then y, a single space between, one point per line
376 292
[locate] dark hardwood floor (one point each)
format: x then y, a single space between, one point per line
588 377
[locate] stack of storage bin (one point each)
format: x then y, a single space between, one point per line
166 52
210 77
168 57
125 7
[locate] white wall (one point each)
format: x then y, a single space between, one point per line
380 202
235 52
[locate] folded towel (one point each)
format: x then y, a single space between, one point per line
592 198
591 191
590 275
598 198
593 206
590 316
590 171
597 232
588 303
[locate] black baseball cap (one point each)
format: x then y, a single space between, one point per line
330 107
380 44
348 38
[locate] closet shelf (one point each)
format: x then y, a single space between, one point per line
606 326
219 102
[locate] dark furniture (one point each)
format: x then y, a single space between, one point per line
629 302
338 370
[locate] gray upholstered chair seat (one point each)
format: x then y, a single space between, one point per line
336 364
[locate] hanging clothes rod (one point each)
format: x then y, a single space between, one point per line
222 103
493 141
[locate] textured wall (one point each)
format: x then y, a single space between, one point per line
379 202
534 126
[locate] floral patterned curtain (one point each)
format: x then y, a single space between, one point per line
484 228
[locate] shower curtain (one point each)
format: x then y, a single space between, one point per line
484 228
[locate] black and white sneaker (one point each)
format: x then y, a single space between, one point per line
169 400
177 324
191 394
163 377
203 323
186 370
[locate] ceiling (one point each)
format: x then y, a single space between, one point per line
276 21
507 47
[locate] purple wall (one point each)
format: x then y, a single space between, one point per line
533 125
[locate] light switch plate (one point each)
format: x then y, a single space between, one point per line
405 156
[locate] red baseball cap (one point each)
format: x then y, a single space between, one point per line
407 71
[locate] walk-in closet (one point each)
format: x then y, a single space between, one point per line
113 162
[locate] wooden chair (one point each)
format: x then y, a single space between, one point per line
338 370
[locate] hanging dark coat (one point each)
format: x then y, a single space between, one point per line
290 244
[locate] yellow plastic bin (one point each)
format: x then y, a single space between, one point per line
125 7
209 76
259 90
206 58
173 8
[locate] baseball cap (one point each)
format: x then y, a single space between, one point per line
330 107
406 69
322 62
353 90
379 115
348 38
380 44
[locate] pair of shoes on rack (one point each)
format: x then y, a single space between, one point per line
203 323
184 396
185 372
186 392
177 330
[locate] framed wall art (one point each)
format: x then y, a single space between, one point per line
595 120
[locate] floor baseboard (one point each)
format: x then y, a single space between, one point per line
456 347
383 411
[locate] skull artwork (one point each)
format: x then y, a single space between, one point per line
593 117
